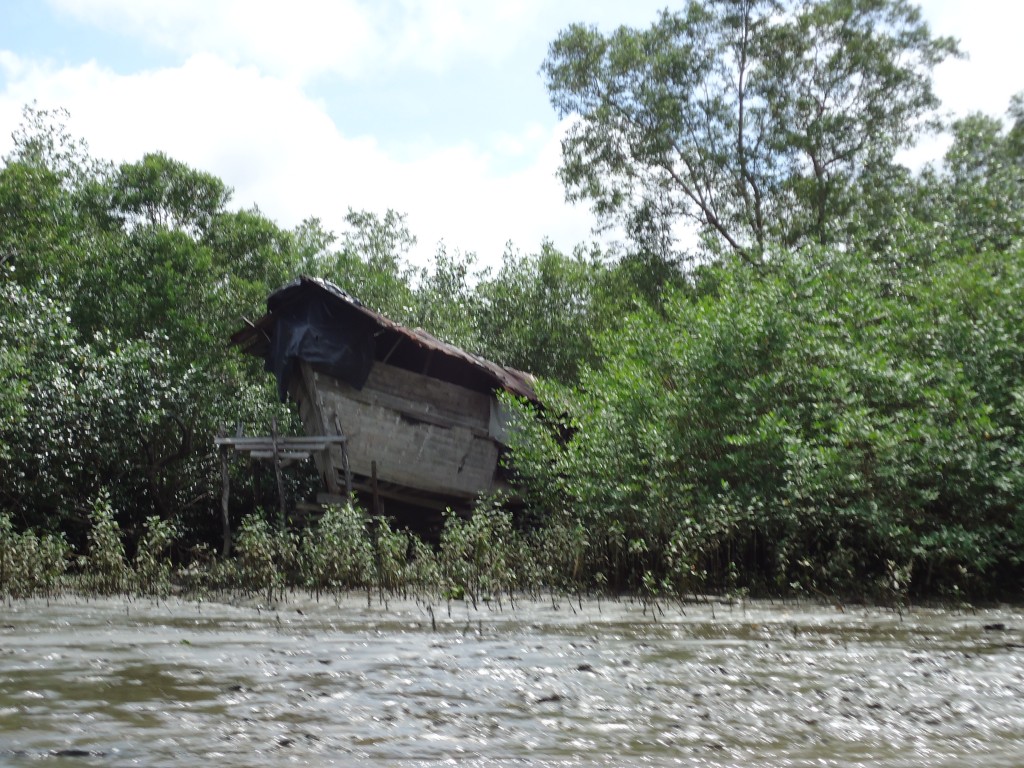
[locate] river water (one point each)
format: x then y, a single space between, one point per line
118 683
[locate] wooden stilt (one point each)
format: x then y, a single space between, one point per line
277 449
277 474
256 475
346 467
225 479
373 487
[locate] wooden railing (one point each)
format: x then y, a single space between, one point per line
280 450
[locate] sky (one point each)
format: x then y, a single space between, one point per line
433 108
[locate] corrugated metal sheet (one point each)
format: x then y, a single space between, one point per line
254 338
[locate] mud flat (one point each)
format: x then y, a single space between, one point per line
117 683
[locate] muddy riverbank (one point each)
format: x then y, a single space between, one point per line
116 682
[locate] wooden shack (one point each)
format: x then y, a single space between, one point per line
420 418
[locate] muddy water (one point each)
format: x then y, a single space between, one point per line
116 683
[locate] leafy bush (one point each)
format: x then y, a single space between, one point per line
268 559
391 556
815 427
337 552
30 564
152 561
478 555
106 570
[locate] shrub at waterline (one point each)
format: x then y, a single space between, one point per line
105 568
152 563
826 425
480 558
30 564
336 553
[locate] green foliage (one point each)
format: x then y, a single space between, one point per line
337 553
422 569
478 555
757 121
446 304
561 549
106 570
371 263
268 559
538 313
119 289
30 564
152 561
159 192
845 417
99 414
816 426
975 198
13 367
121 284
391 555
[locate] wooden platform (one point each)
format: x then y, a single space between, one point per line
285 448
280 451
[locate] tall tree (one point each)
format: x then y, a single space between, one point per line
372 262
118 288
756 120
981 184
161 191
538 312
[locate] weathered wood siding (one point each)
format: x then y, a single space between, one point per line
423 433
313 422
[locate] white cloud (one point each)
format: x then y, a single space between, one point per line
986 78
295 39
477 209
235 105
304 38
989 32
279 150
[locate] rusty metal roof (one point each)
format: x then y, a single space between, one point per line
255 337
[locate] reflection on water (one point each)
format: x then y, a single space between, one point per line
112 682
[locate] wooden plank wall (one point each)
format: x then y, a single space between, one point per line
423 433
314 423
